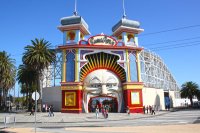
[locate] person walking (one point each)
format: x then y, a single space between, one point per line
49 109
128 110
106 111
32 111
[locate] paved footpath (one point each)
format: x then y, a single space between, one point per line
73 117
70 118
165 122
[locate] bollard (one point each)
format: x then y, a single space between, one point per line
14 121
5 122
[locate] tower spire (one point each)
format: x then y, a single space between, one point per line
75 5
124 15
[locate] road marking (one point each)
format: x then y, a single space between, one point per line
183 122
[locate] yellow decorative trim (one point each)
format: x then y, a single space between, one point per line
102 61
138 67
71 87
129 87
72 109
64 66
82 36
76 65
70 98
70 35
129 36
135 107
128 67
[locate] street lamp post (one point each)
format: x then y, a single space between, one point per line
35 96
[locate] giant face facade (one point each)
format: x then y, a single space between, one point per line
100 83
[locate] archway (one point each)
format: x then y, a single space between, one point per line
102 87
102 102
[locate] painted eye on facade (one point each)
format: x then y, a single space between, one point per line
109 85
95 85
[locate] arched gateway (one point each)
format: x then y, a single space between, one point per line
101 70
102 88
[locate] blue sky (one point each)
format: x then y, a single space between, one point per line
24 20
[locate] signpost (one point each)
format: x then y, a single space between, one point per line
35 96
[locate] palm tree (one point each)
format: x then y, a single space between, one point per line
38 56
189 90
26 77
7 75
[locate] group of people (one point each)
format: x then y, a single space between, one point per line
50 109
45 108
104 111
149 109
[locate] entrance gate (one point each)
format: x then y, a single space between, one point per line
102 101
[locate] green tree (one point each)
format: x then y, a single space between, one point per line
27 77
7 75
189 90
38 56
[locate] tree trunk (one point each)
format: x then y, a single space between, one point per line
27 98
4 99
27 95
191 101
0 97
30 104
39 102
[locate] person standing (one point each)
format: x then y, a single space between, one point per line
46 108
150 109
103 111
49 109
97 112
43 108
153 110
144 109
147 108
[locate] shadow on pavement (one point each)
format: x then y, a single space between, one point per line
197 121
6 132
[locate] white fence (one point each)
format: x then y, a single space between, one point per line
183 102
9 120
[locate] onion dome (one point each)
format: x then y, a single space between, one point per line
126 23
72 20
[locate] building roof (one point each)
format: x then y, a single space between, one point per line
73 20
127 23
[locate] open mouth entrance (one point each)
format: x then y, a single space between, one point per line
102 102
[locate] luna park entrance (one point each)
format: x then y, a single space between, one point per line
102 102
